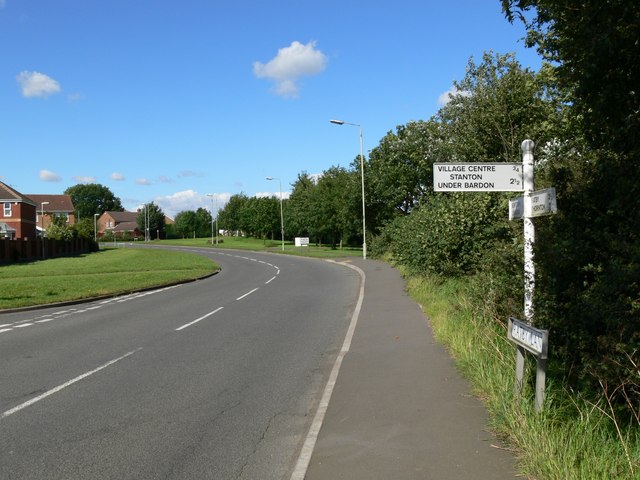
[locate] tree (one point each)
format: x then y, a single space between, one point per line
152 217
230 217
186 224
299 207
398 173
203 223
59 229
92 198
590 282
596 50
334 205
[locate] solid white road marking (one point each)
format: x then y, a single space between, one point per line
304 459
65 385
270 280
198 319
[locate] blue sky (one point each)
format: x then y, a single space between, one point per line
168 101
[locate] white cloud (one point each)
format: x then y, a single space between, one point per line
143 181
47 176
83 179
446 97
190 173
75 97
289 65
118 177
35 84
189 200
285 195
165 179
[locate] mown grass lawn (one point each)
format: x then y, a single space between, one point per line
275 246
107 272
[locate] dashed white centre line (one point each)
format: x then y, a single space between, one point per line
65 385
247 294
198 319
5 330
22 325
45 320
270 280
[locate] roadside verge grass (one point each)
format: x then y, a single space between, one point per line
273 246
107 272
572 437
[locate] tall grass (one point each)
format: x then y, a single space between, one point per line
572 438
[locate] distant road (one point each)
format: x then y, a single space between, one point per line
211 379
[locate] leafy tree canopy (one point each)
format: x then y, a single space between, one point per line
91 198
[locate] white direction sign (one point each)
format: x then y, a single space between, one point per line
477 177
543 202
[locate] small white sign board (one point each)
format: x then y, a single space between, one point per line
477 177
543 202
302 241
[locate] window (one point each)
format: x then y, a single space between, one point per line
7 209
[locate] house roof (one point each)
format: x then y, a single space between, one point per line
57 203
126 227
8 194
120 217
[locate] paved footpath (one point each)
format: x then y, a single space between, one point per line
400 410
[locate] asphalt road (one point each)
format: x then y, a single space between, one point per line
217 378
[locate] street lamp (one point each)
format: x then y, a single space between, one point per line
42 204
95 226
213 195
364 226
281 214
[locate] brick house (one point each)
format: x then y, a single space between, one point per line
17 214
52 206
123 224
120 224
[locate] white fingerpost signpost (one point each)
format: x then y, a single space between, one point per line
511 177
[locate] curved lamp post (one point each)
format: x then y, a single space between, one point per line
364 225
281 214
212 196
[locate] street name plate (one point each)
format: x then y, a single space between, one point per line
477 177
516 208
532 339
543 202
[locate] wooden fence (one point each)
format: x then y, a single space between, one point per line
12 251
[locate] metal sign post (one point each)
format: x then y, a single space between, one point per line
529 267
510 177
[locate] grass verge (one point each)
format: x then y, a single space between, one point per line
274 246
571 438
109 271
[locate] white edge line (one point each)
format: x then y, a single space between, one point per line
198 319
65 385
302 465
247 294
